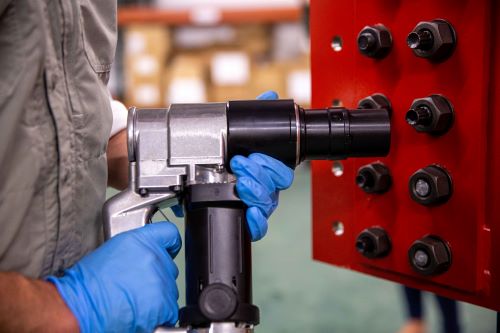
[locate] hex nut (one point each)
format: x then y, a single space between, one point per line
373 243
374 41
440 186
441 114
438 252
443 40
376 102
374 178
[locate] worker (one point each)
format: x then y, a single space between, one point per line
56 158
415 322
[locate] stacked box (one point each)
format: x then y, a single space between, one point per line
230 75
146 51
186 79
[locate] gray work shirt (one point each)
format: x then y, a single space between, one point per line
55 119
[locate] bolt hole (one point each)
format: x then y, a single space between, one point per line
337 168
336 43
338 228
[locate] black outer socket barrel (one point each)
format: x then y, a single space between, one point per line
218 258
285 131
267 127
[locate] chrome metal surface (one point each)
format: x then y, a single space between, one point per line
129 210
197 136
172 330
210 175
297 129
171 143
130 134
214 328
168 149
225 328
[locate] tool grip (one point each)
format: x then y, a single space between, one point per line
218 258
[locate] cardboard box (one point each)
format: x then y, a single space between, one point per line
230 75
298 80
268 76
230 68
147 39
146 50
255 40
143 92
230 93
186 79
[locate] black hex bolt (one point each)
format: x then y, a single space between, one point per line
434 40
374 178
374 41
430 256
375 102
373 243
431 185
433 115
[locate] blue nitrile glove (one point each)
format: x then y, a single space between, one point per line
127 284
259 180
268 95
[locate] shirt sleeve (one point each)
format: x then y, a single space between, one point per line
120 114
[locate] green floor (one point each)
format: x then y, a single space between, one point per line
296 294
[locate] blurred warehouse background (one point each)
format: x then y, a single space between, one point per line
217 50
204 51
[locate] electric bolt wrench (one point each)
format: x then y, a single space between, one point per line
181 154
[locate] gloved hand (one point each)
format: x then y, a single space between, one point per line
127 284
259 180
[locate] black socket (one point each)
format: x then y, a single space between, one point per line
291 134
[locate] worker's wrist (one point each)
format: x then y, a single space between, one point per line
75 298
65 318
